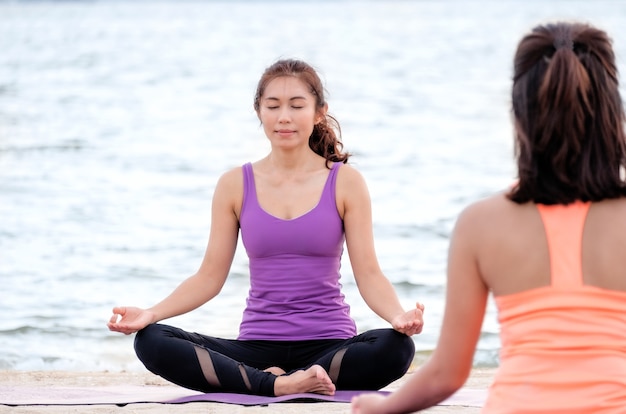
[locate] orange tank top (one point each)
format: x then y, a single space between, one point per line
563 346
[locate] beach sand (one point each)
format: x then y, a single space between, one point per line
479 379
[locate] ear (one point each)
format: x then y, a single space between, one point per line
321 114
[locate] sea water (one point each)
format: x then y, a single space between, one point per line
117 118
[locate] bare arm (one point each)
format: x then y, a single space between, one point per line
450 364
379 294
207 282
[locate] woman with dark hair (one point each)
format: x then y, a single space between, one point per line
551 249
295 209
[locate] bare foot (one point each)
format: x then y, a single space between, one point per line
314 379
275 370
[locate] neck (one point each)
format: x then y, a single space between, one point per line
304 161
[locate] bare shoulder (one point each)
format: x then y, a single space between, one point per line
348 174
485 207
489 213
229 189
232 178
351 184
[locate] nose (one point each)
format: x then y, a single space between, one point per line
284 116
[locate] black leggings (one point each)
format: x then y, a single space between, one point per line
368 361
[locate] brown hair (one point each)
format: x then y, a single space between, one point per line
569 118
326 137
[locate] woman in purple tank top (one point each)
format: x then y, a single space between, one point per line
295 208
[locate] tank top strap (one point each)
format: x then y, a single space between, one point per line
249 188
564 226
328 194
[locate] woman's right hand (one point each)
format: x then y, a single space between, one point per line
128 320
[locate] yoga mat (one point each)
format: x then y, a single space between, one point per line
123 395
465 397
245 399
96 395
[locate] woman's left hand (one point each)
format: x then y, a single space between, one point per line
411 322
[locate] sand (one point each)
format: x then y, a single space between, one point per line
480 378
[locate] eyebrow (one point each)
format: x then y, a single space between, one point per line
271 98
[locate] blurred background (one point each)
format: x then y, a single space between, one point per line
117 118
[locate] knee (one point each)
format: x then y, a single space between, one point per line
407 349
404 344
147 335
147 343
402 350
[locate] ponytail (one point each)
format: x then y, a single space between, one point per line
564 107
324 140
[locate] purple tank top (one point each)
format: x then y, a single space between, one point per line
295 292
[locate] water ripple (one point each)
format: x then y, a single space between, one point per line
117 118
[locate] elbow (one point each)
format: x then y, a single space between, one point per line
456 378
443 388
446 380
450 387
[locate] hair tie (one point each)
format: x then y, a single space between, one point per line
562 42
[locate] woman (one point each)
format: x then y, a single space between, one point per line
550 249
295 209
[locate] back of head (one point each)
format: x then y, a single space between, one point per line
569 116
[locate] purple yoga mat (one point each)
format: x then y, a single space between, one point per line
245 399
466 397
133 394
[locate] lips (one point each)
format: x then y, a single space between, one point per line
285 132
